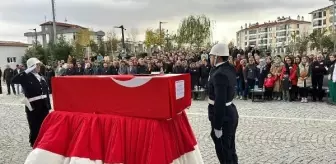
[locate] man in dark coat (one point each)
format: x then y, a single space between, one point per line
318 72
37 101
222 112
205 70
142 69
18 70
0 81
114 68
70 71
7 77
50 73
105 70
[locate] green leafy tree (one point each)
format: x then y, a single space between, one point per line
195 30
153 37
94 47
36 51
112 42
59 51
101 48
327 43
316 38
77 51
301 44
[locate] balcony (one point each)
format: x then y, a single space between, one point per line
252 37
251 32
317 15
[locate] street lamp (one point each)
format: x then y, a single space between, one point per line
122 35
35 36
160 27
333 25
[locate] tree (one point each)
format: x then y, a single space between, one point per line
327 43
101 48
60 50
83 37
152 37
94 47
133 34
81 42
301 44
36 51
195 30
112 42
316 39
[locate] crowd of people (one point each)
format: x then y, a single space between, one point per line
288 78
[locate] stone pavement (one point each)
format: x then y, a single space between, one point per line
268 133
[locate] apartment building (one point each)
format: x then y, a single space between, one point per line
273 35
322 18
68 31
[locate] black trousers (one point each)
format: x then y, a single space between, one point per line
303 92
35 119
0 87
317 82
225 146
268 93
9 85
293 92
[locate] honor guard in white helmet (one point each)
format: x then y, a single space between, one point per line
36 91
222 112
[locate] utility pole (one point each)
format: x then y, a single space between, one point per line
54 19
167 39
160 27
333 25
122 35
35 36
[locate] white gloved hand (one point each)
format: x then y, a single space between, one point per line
30 68
218 133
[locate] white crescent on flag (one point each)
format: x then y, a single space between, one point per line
134 82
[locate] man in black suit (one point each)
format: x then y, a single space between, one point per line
37 101
16 72
0 81
8 75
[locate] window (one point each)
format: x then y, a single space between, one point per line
252 31
11 60
324 21
298 26
324 13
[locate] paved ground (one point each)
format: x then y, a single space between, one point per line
268 133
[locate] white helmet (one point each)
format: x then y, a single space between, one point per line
220 49
32 61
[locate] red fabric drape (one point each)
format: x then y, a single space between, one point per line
116 139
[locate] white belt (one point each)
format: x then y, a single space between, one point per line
37 98
211 102
27 101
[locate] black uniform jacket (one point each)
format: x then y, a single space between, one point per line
222 84
32 88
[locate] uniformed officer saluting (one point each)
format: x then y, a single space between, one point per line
222 112
37 102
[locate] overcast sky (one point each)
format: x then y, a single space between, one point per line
18 16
